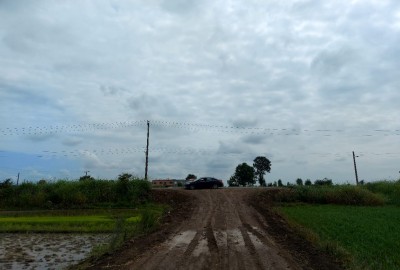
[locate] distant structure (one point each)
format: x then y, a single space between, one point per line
168 182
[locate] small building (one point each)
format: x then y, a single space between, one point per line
163 183
168 182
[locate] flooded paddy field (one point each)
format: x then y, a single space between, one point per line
46 250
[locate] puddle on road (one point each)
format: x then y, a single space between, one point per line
201 248
46 251
181 240
236 237
256 241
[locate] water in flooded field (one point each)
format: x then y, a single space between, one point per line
46 251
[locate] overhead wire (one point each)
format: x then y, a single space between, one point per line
81 128
37 130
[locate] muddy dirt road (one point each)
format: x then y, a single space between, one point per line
223 233
220 231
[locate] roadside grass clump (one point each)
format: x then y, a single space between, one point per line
341 194
366 237
150 219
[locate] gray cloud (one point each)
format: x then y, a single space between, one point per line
254 139
112 90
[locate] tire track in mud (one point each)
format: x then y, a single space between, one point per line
205 233
234 240
250 247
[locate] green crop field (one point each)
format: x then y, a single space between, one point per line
57 222
93 221
369 235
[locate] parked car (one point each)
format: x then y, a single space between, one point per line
204 182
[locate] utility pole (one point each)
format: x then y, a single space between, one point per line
147 150
86 172
355 167
17 179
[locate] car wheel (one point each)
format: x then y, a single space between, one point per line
215 186
191 187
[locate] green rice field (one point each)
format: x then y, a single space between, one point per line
93 221
370 236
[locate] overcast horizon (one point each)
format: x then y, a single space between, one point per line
303 83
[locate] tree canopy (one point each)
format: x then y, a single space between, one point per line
261 165
244 175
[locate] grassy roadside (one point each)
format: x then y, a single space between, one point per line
358 225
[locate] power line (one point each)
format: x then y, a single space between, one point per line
176 150
81 128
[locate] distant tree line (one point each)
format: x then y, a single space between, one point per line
299 182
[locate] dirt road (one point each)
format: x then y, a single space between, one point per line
221 231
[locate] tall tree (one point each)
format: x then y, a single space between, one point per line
261 165
299 181
244 175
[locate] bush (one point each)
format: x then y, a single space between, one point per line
323 182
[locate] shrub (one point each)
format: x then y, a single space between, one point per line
323 182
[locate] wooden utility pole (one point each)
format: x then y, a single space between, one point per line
147 150
17 179
355 167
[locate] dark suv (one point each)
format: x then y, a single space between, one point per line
204 182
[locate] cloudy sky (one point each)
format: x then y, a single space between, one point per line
303 83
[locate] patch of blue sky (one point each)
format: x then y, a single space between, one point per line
33 167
